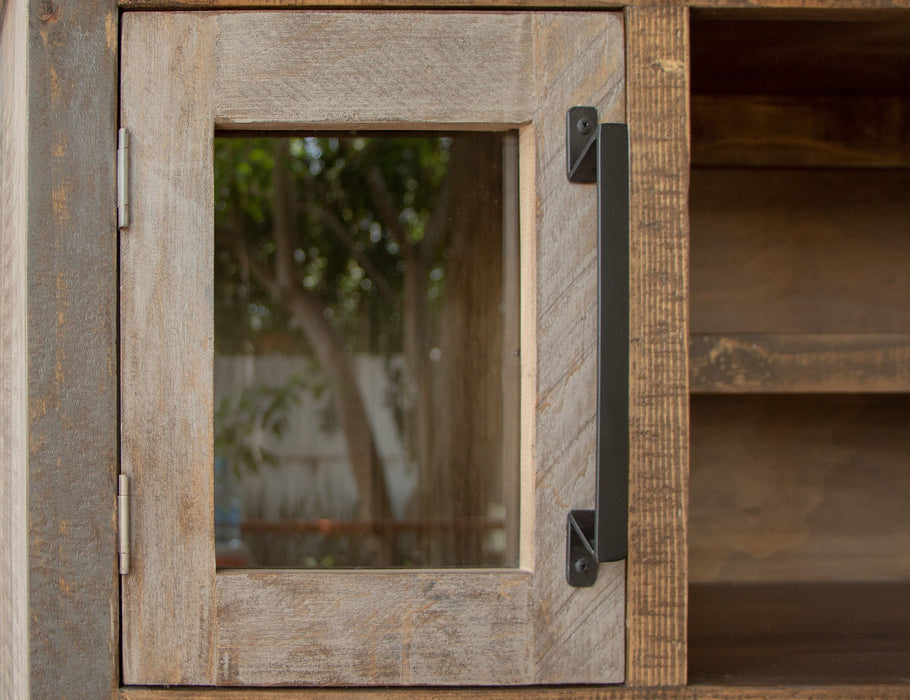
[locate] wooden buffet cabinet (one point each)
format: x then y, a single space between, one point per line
769 531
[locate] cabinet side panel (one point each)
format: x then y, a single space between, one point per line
658 473
71 395
13 363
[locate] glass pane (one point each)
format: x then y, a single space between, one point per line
366 351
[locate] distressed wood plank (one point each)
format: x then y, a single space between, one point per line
578 60
166 350
694 692
380 75
795 363
800 251
412 628
14 612
813 131
658 474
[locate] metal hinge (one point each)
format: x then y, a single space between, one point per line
123 179
123 521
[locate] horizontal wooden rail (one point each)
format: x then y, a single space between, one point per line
734 363
697 692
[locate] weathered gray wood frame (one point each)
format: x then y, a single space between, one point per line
59 610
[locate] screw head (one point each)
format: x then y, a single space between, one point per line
583 126
581 565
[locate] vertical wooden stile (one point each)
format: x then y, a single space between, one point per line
658 471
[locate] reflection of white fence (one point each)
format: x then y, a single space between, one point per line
314 479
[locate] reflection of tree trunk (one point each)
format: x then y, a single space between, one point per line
337 363
330 350
284 284
466 414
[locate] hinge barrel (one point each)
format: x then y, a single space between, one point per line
123 185
123 511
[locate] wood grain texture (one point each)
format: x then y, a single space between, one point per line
14 612
808 130
800 251
399 620
799 363
658 476
800 633
72 366
578 59
694 692
799 488
169 634
266 75
544 630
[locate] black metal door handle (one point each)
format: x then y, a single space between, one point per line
599 153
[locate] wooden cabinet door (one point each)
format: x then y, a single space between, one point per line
186 75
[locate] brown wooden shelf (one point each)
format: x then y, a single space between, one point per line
825 633
731 363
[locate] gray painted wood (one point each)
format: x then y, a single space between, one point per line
72 397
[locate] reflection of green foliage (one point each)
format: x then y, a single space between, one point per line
339 233
257 408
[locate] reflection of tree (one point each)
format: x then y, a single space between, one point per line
345 245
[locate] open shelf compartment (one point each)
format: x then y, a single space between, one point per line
799 527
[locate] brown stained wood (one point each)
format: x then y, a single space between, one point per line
800 634
544 630
658 475
14 544
799 488
799 363
809 131
166 351
800 251
747 54
694 692
65 397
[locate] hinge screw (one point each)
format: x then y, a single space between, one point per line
583 126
